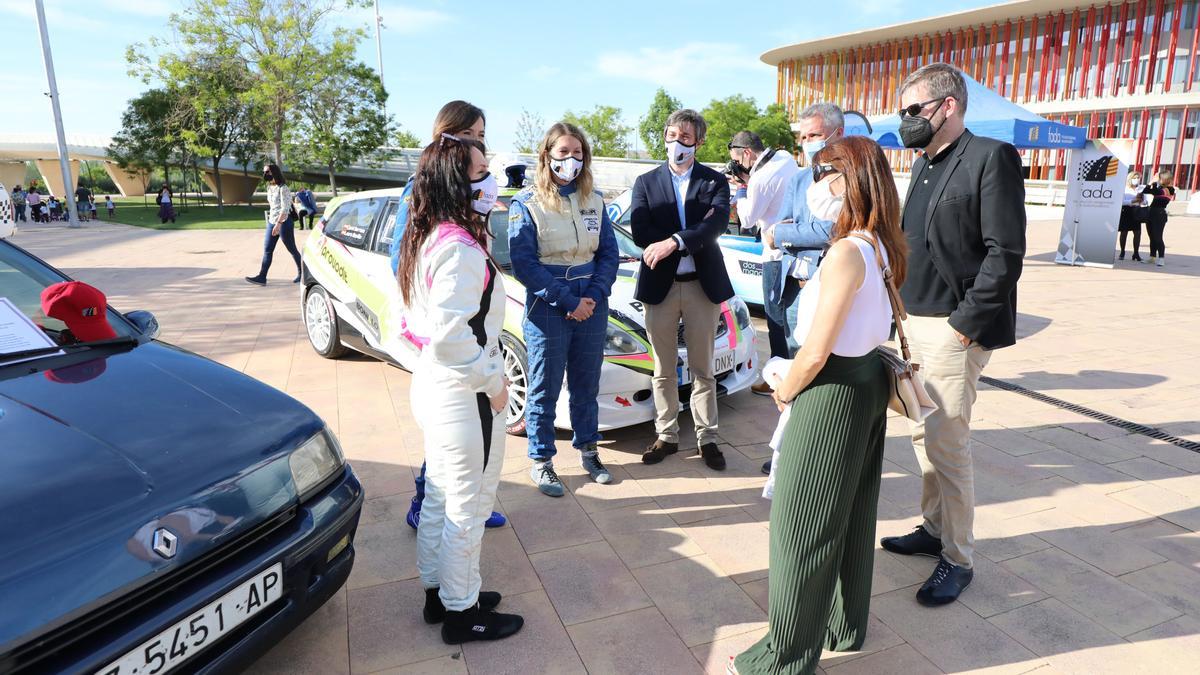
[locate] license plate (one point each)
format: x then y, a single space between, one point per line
722 362
185 639
751 268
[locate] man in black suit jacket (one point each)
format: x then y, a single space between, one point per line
678 210
964 220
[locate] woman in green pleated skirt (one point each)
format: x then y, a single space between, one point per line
831 453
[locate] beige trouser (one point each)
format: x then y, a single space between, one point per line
686 300
943 442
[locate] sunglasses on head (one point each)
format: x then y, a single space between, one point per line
916 108
731 146
448 137
822 170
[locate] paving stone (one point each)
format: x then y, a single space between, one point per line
1071 642
636 642
643 535
588 582
701 604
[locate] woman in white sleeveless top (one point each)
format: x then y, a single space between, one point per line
831 453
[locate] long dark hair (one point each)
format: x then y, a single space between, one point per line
441 192
276 174
871 202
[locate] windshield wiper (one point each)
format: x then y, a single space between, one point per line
119 341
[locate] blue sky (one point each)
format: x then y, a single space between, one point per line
546 57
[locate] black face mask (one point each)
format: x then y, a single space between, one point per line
917 131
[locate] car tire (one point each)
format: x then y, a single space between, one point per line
516 369
321 323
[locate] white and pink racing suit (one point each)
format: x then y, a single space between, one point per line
456 318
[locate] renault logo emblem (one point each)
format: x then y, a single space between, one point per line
165 542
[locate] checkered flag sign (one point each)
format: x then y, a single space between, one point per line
1098 170
6 210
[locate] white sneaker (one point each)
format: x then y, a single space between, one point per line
1160 263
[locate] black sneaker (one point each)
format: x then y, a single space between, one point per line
658 451
1121 256
476 625
917 542
435 611
946 583
257 281
713 457
766 468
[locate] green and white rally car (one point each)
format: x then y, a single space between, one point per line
350 300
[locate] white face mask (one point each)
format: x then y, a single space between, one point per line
811 148
484 193
822 204
678 153
567 168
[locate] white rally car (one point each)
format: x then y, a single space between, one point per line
350 299
743 255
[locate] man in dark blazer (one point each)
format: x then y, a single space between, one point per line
678 210
964 220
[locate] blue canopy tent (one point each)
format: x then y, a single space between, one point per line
988 114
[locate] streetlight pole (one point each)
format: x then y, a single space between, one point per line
378 40
63 160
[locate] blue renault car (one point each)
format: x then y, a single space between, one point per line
158 511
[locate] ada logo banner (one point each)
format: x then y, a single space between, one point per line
1094 190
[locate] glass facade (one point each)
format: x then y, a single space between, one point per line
1105 57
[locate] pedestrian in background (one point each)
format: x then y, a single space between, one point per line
83 203
19 204
964 220
166 206
459 395
1161 193
280 224
112 208
34 199
565 254
1133 214
306 206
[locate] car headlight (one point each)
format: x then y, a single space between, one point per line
618 342
740 312
314 462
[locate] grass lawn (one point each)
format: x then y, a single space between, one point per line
135 211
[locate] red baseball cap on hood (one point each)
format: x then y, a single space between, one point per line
82 307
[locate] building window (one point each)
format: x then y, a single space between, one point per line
1190 129
1172 128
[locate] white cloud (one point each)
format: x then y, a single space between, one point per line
681 67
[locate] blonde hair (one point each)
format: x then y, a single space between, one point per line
543 183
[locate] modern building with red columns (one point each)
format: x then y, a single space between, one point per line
1120 69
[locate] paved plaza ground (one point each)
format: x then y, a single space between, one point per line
1088 546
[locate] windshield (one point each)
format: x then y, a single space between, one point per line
498 225
22 280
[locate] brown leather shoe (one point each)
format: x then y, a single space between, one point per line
713 457
762 389
658 451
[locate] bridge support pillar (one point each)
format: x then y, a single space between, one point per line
52 177
12 174
130 183
236 188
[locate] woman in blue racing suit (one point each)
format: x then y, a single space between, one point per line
563 250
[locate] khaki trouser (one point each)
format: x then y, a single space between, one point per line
686 300
943 442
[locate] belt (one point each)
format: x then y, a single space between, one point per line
572 272
689 276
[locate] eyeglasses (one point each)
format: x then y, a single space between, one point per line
731 146
916 108
820 171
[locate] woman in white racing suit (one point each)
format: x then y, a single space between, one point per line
455 297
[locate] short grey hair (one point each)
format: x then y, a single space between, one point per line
688 116
830 114
942 80
747 139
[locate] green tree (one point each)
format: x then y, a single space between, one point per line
530 130
655 121
280 42
343 119
404 138
147 139
605 131
736 113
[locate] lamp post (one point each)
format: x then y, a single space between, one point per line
63 160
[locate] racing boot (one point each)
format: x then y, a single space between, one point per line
476 624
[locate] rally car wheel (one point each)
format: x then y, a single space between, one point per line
516 369
320 320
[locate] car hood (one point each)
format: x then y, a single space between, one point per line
91 466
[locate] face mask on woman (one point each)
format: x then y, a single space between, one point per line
822 203
566 168
484 193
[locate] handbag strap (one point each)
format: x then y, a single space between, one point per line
893 295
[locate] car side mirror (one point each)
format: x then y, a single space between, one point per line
145 322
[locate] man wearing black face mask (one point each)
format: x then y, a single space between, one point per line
964 220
